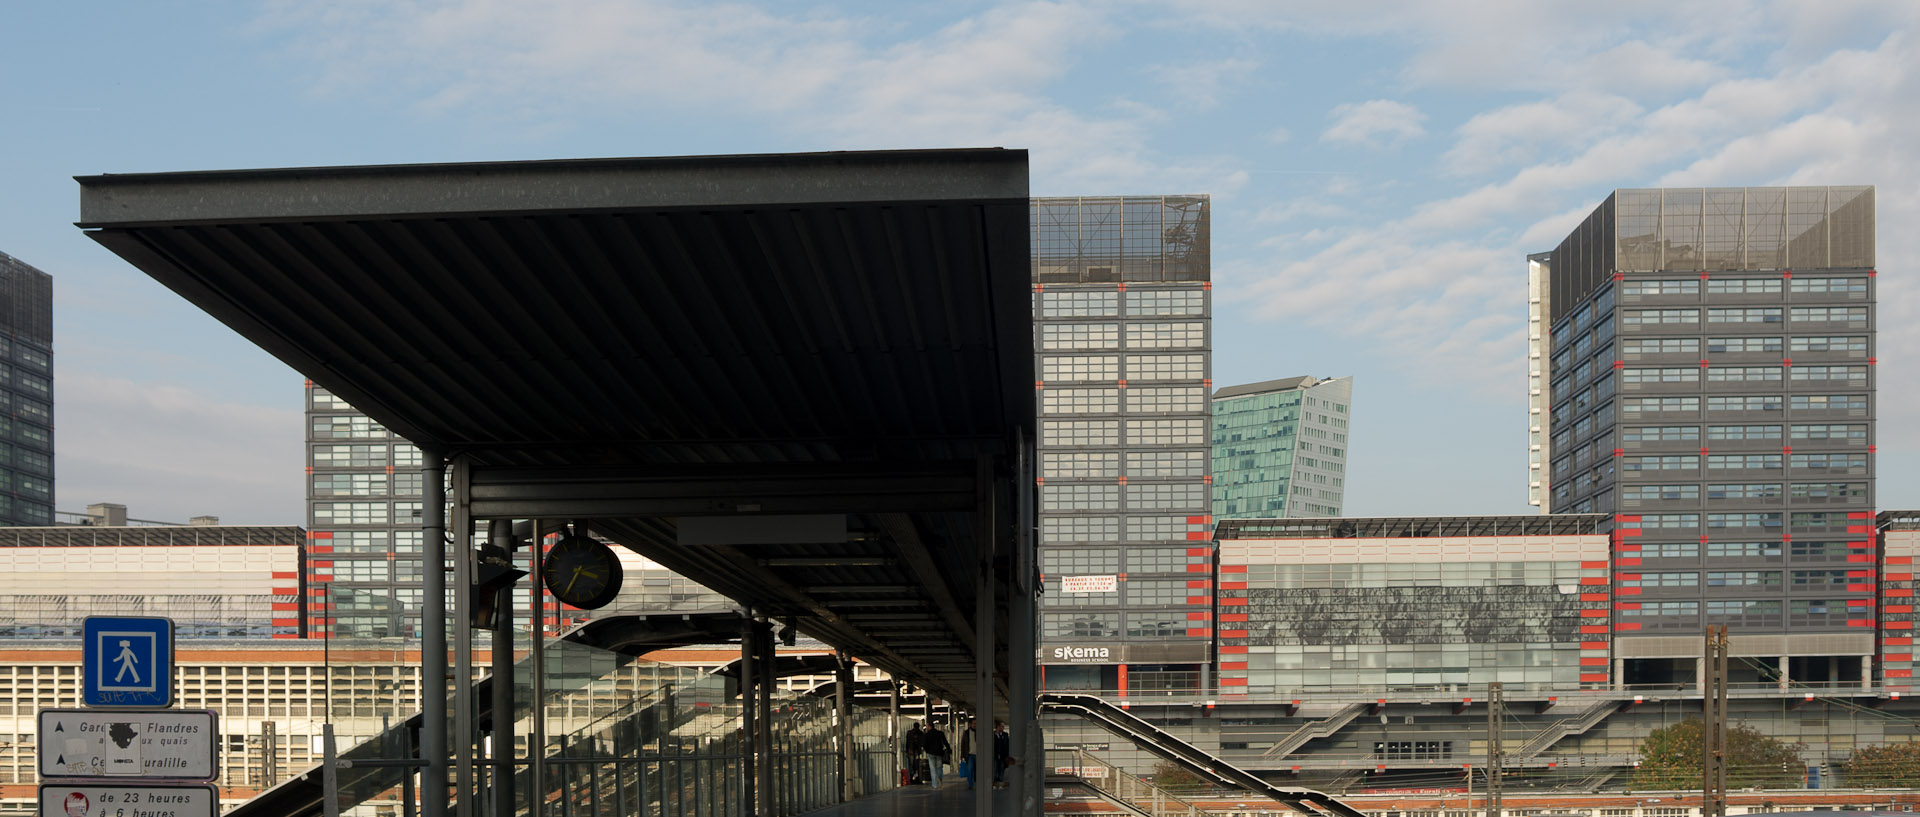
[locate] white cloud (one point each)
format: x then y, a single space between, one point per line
811 77
171 453
1201 83
1440 288
1374 123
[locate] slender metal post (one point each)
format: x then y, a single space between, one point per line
843 712
985 589
749 737
463 703
537 648
770 798
893 725
500 531
433 635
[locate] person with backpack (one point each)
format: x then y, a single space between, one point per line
937 749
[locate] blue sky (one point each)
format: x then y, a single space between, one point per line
1379 171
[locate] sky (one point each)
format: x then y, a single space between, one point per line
1379 170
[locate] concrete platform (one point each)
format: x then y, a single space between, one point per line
951 800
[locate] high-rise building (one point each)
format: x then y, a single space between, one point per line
1280 448
26 394
1711 384
1122 331
363 517
363 505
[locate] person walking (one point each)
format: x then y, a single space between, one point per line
969 765
1003 753
915 743
937 750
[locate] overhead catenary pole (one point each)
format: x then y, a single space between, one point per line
1714 700
433 635
1496 753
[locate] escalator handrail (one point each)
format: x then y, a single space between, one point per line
1165 744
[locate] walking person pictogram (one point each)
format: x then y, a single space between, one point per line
126 660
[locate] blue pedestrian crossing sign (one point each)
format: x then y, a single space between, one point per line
127 661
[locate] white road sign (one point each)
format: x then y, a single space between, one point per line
150 744
87 800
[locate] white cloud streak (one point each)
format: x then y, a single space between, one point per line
170 453
1375 123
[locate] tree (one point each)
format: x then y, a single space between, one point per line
1891 764
1173 777
1671 758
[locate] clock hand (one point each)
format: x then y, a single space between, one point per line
576 577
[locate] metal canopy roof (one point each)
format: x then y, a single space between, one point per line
831 332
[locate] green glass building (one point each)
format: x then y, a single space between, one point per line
1280 448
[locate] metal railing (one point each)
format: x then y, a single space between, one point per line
1117 783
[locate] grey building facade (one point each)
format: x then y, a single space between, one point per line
1280 448
1711 383
26 394
1122 329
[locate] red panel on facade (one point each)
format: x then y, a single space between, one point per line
1899 673
1200 568
286 574
1202 632
1201 584
1599 565
1233 585
1593 662
1593 629
1593 580
1233 682
1898 608
1198 616
1197 551
1199 520
1628 591
1899 560
1897 641
1233 568
1233 649
1228 602
1594 678
1225 633
1896 577
1898 593
1593 614
1594 645
1595 597
1232 665
279 606
1228 617
1627 627
1197 536
1897 625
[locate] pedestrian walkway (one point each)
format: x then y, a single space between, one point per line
951 800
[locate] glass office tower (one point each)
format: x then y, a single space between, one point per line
1712 385
1122 327
26 394
1280 448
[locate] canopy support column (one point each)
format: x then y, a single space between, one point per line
464 733
984 639
843 712
749 734
433 635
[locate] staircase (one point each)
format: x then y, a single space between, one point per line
1115 785
1559 729
1323 728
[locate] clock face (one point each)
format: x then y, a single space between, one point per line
582 573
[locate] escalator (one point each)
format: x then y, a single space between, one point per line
1106 715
